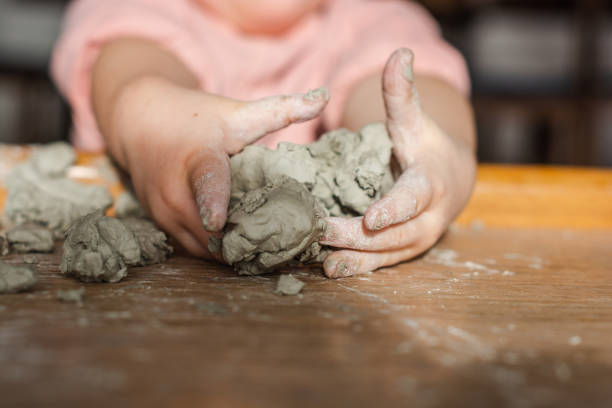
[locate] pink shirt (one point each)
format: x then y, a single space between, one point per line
336 47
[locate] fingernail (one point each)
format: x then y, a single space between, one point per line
382 221
343 269
330 268
379 219
315 94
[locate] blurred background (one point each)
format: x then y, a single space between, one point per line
541 72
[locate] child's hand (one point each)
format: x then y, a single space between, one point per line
175 142
435 184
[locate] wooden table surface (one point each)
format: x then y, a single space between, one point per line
512 308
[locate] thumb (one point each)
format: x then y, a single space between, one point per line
258 118
404 114
210 180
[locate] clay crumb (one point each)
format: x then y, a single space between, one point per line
16 278
212 308
71 295
30 259
289 285
4 246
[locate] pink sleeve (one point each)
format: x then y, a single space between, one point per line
379 28
91 23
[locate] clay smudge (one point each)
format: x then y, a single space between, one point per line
288 285
447 257
71 295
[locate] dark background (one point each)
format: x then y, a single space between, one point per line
541 72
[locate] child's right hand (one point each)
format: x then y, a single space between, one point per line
175 142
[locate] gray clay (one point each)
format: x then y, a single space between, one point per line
128 206
272 225
30 238
71 295
30 260
214 245
16 278
341 174
54 202
289 285
4 246
152 241
99 249
53 159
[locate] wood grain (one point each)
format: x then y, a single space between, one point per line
539 196
517 318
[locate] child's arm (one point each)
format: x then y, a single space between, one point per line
433 135
175 139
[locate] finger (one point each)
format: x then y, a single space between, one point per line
399 93
210 180
255 119
174 210
345 263
351 233
183 236
190 223
409 197
404 114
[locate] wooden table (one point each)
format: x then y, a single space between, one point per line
512 308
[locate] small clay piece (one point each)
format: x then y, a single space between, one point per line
272 222
354 168
30 238
52 202
71 295
128 206
30 259
152 241
99 249
4 246
16 278
272 225
52 160
289 285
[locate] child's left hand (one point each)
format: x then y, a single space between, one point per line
435 184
